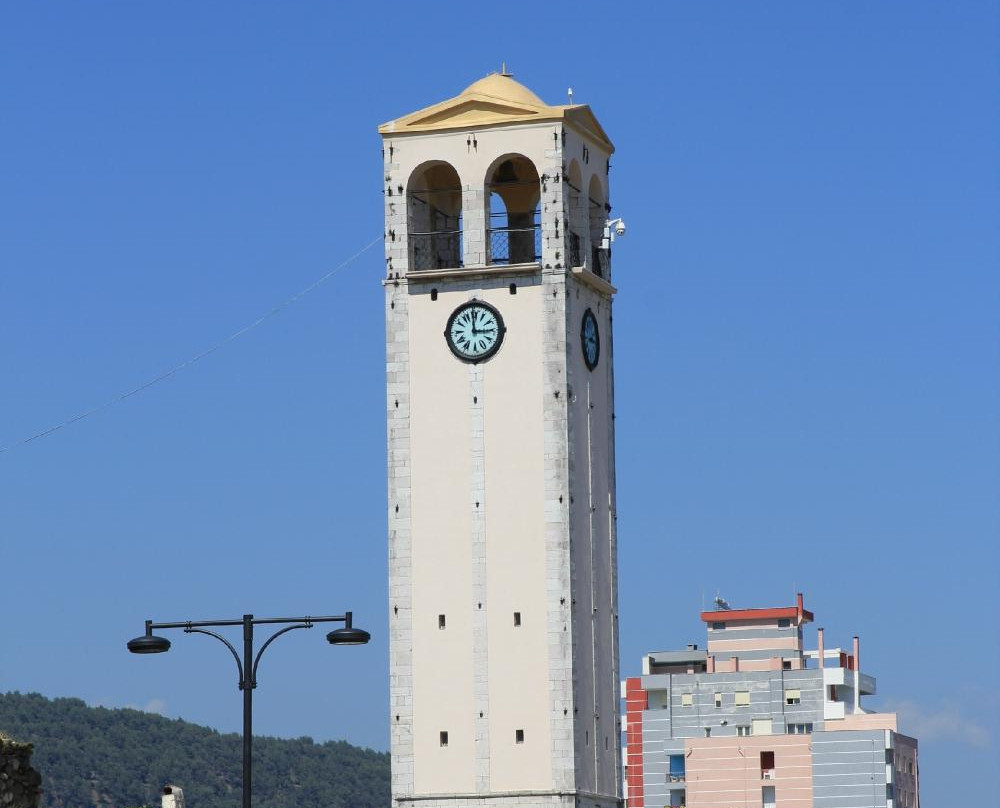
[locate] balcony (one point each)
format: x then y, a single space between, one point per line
575 255
441 249
515 245
600 261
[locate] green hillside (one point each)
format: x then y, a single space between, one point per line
93 756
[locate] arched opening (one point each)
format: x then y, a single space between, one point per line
600 253
575 214
434 215
514 235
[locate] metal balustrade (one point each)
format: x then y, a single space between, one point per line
600 261
575 256
515 245
441 249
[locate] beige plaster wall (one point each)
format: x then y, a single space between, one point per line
441 525
515 533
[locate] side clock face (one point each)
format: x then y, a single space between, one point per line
590 339
475 331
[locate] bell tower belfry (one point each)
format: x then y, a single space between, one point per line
503 599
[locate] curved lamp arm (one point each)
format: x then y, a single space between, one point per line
271 639
229 645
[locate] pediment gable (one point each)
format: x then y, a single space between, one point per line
494 101
470 112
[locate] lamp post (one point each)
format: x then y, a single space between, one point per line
149 643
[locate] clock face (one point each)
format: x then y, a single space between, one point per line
590 339
475 331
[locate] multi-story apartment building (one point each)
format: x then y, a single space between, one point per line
755 720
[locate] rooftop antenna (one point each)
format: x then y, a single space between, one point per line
503 69
569 92
721 603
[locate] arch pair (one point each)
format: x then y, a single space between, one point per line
512 216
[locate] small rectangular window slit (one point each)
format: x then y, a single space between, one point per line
441 621
519 736
517 618
444 738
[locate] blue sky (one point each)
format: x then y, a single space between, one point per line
807 347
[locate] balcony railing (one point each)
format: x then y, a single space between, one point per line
438 250
515 245
600 261
575 255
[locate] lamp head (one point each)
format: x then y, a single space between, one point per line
348 635
149 644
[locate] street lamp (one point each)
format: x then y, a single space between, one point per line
149 643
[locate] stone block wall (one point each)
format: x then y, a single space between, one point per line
20 785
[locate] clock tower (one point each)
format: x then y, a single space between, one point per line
503 601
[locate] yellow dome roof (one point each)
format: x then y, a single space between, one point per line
503 87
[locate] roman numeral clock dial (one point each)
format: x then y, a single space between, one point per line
475 331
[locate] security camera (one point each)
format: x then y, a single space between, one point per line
612 228
618 225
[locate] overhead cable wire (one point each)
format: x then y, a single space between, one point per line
197 357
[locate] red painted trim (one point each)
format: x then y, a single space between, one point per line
636 700
738 615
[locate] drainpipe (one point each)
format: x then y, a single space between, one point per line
857 674
821 648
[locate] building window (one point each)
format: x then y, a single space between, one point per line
518 736
742 730
708 732
833 693
767 765
687 700
786 664
441 621
784 623
676 769
800 729
793 697
767 798
718 626
443 738
718 699
517 619
742 698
